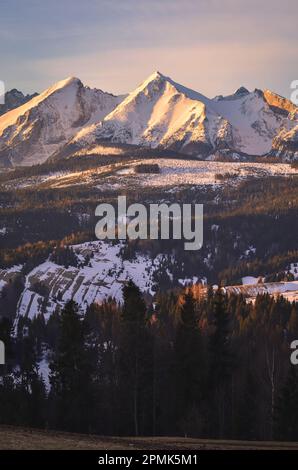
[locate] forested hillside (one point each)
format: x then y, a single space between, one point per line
113 371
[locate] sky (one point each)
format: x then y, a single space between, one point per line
212 46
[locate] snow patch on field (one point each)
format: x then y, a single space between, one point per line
249 280
176 172
173 173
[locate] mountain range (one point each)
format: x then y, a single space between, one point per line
70 118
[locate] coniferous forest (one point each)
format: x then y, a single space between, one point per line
177 363
190 364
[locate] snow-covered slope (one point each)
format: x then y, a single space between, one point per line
102 273
101 278
285 144
32 132
70 119
162 113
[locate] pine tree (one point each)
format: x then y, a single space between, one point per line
219 345
189 360
220 367
162 329
135 361
30 389
72 393
293 322
52 329
247 412
102 326
8 402
286 413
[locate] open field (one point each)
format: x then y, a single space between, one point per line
172 173
30 439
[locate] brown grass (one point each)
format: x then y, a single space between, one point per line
30 439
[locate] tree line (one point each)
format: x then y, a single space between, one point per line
209 366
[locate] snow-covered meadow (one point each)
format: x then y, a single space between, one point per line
176 172
172 173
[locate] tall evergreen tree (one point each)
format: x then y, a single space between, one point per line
286 413
219 344
247 411
8 398
30 387
102 324
220 367
135 362
189 359
72 393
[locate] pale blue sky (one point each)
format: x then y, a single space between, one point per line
213 46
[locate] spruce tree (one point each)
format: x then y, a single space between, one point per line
71 378
135 362
293 323
30 386
189 360
219 344
220 368
248 408
8 396
286 413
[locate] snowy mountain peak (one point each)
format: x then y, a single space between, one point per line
156 75
241 91
159 112
159 80
69 118
36 130
13 99
155 80
11 118
67 82
162 113
277 101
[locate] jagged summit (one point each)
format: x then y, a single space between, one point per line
155 75
31 133
159 112
13 99
241 91
278 101
158 79
12 116
69 81
68 118
162 113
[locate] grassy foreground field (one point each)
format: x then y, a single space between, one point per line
31 439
